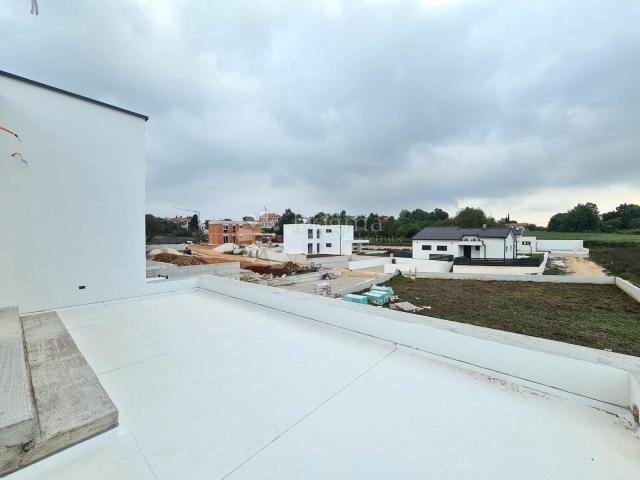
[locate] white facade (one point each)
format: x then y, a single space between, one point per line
311 239
77 209
471 246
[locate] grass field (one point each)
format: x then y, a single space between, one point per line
621 260
599 237
597 316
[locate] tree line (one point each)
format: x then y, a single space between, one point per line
405 225
585 217
158 226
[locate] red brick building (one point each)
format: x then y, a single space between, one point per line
241 233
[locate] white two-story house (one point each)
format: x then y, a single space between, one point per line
447 243
311 239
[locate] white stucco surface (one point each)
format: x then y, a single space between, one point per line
209 386
74 216
326 239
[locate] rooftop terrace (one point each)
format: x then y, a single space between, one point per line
211 386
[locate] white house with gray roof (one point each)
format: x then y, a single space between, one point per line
447 243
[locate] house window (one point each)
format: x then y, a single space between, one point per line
226 228
442 248
526 243
328 230
310 233
328 245
477 248
318 233
426 247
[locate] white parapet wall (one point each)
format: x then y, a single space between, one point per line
629 288
596 375
228 269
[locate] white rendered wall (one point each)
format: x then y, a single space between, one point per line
419 253
75 215
546 245
495 248
296 239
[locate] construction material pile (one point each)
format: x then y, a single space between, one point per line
179 260
279 270
249 276
322 288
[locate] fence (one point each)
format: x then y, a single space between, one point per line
499 262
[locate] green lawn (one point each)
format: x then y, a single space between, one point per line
597 316
599 237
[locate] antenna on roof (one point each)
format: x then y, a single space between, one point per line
34 7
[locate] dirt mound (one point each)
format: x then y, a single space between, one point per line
179 260
279 270
225 248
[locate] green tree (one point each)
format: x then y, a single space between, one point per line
626 212
558 223
470 217
194 223
155 226
288 217
581 218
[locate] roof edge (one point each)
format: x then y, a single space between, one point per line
71 94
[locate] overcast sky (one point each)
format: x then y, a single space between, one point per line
513 106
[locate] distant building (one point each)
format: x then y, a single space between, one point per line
310 239
229 231
447 243
269 220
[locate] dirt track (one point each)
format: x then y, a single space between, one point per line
584 267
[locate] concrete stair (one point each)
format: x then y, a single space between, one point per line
50 398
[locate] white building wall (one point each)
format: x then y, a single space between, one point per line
326 239
494 247
75 216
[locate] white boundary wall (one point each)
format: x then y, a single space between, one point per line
410 266
369 263
578 370
629 288
521 278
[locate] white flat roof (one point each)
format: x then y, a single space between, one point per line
213 387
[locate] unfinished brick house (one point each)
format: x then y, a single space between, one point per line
240 232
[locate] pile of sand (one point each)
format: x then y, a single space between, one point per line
225 248
158 251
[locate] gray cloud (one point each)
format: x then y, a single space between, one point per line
363 105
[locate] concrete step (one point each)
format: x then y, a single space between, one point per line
18 424
70 403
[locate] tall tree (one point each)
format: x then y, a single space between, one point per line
584 217
288 217
194 223
470 217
